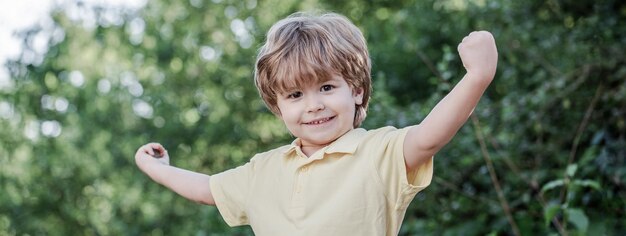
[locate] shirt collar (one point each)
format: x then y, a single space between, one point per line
347 143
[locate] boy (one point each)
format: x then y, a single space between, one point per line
335 178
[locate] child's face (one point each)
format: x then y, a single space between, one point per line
319 113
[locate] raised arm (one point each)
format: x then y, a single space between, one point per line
191 185
480 58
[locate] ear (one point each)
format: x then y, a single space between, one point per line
357 94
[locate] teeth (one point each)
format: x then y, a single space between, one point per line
319 121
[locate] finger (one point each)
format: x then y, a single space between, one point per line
144 149
156 146
158 153
148 149
157 150
144 152
152 147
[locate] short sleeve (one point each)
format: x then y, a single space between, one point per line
230 191
400 186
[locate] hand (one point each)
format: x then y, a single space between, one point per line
151 154
479 54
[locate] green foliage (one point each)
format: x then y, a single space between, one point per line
180 73
573 187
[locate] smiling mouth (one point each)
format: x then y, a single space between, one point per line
320 121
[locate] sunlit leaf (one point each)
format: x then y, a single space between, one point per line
552 184
571 170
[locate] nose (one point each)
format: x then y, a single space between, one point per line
314 103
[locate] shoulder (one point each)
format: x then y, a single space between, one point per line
384 133
382 141
382 130
261 161
270 155
272 152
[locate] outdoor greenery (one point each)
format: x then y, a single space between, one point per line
543 154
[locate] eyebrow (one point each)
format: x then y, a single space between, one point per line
335 78
298 86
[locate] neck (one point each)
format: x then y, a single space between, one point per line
310 149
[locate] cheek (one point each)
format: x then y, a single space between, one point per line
287 113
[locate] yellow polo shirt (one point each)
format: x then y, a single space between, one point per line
357 185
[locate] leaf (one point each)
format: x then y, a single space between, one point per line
588 183
579 218
571 170
552 184
549 212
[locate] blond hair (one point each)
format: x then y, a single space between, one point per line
304 49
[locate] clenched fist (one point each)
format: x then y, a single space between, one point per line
149 155
479 54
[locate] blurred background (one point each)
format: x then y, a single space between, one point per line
84 83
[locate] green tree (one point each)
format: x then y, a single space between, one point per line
543 153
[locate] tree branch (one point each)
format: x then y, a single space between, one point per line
494 178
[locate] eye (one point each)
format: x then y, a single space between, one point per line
294 95
326 88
